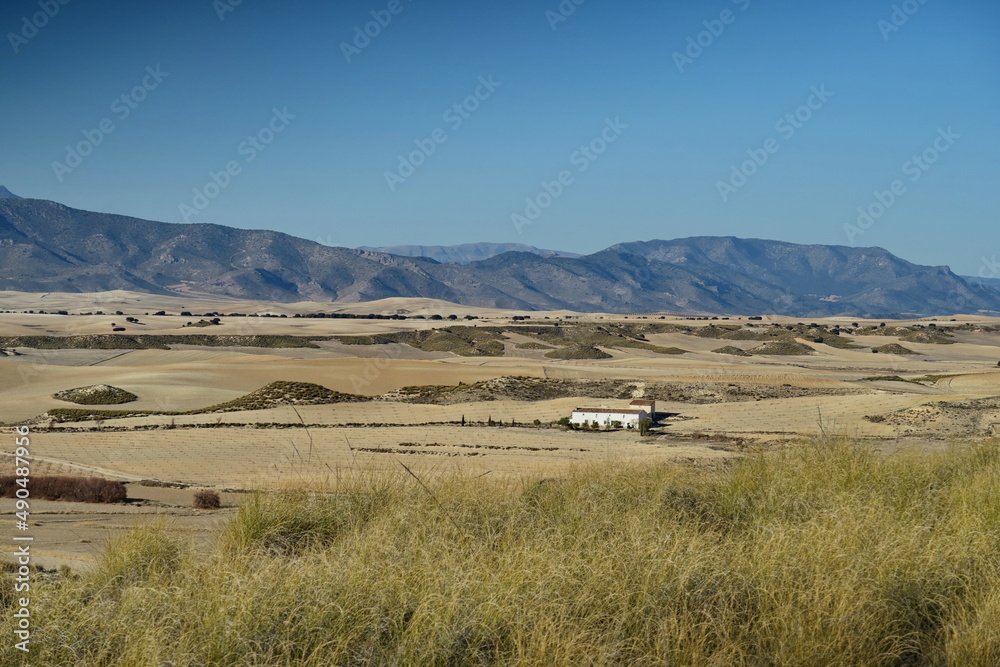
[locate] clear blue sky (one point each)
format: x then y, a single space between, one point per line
323 176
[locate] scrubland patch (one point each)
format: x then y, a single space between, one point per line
820 553
97 394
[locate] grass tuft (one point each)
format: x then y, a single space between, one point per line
819 553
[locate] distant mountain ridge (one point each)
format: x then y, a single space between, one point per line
48 247
7 194
465 253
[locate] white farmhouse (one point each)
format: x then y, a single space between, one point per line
628 417
647 404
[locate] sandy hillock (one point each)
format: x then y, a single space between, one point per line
98 394
783 348
735 351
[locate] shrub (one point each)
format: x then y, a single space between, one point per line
578 352
207 499
71 489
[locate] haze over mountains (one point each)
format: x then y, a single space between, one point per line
48 247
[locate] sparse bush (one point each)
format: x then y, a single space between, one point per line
72 489
207 499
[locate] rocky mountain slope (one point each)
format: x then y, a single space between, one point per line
48 247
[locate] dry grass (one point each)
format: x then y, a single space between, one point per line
71 489
823 553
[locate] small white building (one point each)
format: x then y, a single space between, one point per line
647 404
627 417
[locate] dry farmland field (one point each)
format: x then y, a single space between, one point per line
440 389
400 478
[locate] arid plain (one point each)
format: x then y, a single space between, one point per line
479 395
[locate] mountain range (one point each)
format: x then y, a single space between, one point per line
465 253
48 247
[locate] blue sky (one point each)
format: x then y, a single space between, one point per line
325 126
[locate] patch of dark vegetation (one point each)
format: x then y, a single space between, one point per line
70 489
887 378
461 340
938 337
893 348
154 342
488 341
783 348
98 394
155 483
504 448
398 450
816 333
735 351
521 388
273 395
578 352
282 393
532 346
207 499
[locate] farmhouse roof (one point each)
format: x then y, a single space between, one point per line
616 411
642 401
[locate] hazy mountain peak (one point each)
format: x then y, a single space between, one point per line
7 194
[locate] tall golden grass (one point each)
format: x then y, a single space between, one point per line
820 554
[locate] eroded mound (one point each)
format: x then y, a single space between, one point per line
97 394
578 352
282 393
893 348
783 348
735 351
